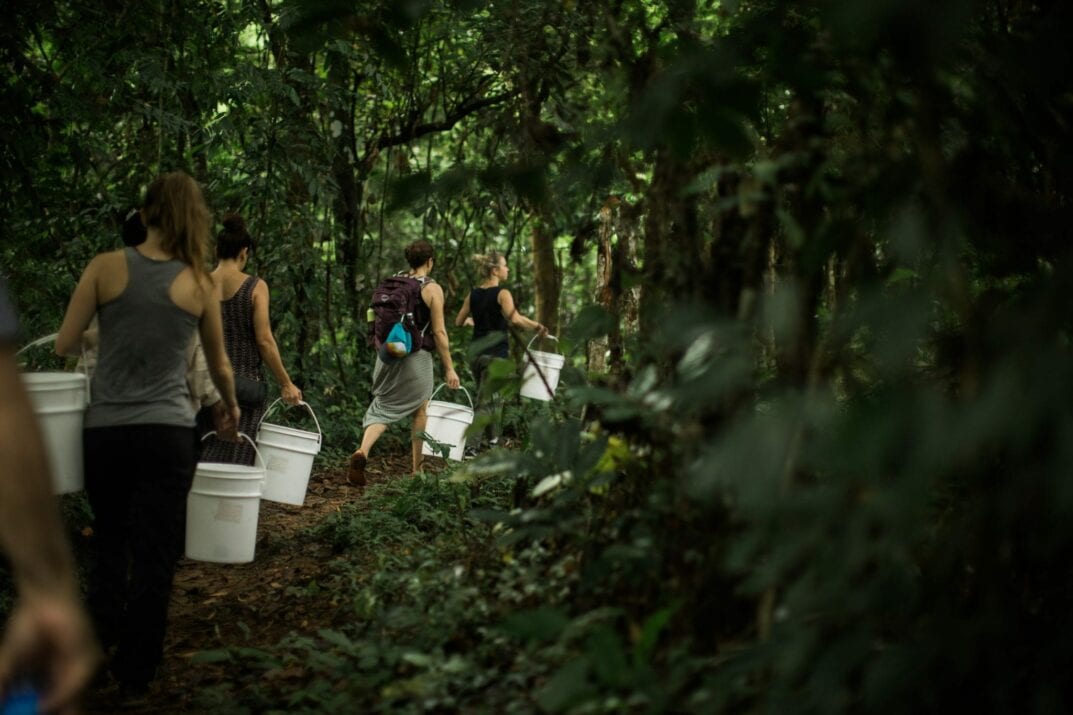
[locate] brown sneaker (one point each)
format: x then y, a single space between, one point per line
355 475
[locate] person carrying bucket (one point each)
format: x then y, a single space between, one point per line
47 641
490 309
402 383
139 444
248 339
203 394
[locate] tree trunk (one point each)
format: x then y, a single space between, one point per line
616 257
347 204
671 239
796 357
545 276
598 347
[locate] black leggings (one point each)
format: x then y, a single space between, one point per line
137 480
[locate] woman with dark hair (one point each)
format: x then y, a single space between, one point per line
403 387
133 232
139 446
248 339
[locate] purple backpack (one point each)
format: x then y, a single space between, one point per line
396 300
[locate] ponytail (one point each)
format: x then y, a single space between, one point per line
487 262
233 238
176 207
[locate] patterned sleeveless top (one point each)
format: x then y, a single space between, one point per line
241 345
239 338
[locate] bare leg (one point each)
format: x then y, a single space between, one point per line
356 463
420 419
368 439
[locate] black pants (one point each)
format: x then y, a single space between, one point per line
137 480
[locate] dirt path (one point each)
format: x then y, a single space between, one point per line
218 605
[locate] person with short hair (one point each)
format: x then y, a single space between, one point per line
402 388
47 640
248 340
139 444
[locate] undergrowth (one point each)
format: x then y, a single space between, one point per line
426 593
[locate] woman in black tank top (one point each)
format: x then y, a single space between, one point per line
490 309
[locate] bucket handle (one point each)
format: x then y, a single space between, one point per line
442 384
52 336
536 337
256 451
303 403
35 343
531 362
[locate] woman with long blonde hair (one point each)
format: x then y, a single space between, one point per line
139 444
490 309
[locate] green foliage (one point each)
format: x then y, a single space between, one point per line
408 624
408 511
825 468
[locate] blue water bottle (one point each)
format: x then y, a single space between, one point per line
21 700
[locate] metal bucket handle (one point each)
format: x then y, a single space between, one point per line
443 384
243 435
530 361
302 403
536 337
35 343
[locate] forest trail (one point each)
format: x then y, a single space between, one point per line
219 605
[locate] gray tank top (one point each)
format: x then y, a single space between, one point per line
141 371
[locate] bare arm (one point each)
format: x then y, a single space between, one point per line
432 294
29 526
460 319
510 312
266 345
80 311
212 341
47 630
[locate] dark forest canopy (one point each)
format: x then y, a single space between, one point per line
811 259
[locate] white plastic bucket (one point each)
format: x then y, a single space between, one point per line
447 423
288 454
59 403
222 510
549 364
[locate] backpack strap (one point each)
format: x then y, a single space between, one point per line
423 280
420 279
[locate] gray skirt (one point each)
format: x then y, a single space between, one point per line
399 388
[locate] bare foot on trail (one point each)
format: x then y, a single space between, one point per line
355 475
